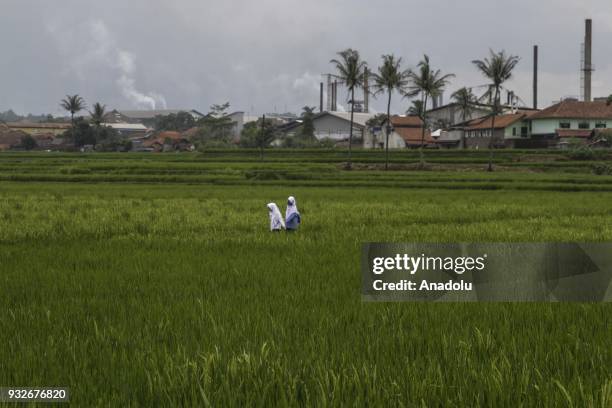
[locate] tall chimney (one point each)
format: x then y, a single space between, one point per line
366 92
535 77
588 68
330 91
321 97
335 97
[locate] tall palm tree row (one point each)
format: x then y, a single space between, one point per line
390 78
497 68
73 104
351 72
428 84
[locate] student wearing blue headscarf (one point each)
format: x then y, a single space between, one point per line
292 215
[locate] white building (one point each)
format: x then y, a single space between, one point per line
334 125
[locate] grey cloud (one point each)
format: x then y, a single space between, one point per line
269 55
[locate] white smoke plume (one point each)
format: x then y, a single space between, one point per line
126 64
99 48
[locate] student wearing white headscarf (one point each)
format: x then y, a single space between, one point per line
292 215
276 218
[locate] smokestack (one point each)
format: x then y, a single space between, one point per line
321 97
366 92
335 97
330 92
535 77
588 42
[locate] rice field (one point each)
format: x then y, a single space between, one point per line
152 280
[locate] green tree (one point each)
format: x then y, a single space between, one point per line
178 122
265 135
82 133
308 129
416 109
258 134
351 71
216 126
465 100
390 78
73 104
9 116
97 117
497 68
97 114
28 142
428 84
609 101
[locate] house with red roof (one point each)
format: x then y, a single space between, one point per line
406 132
570 119
509 130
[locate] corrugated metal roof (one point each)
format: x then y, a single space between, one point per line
126 126
501 121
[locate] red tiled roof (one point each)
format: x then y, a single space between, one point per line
501 121
576 110
581 133
161 137
412 135
411 120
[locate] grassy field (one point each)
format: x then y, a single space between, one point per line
147 280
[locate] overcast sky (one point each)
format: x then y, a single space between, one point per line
267 56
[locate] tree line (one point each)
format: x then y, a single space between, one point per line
423 83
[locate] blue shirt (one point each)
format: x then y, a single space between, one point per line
293 221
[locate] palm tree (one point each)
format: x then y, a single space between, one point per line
307 133
98 113
428 84
351 72
73 104
416 109
465 100
390 78
497 68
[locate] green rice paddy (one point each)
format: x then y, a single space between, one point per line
152 280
